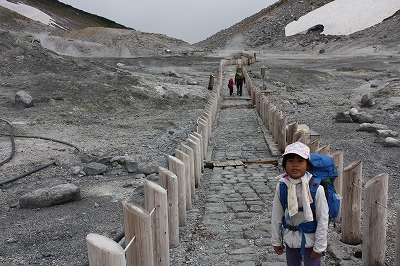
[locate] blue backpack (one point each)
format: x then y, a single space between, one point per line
324 174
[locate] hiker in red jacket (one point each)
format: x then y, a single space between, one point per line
230 86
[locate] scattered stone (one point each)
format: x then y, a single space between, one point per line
371 127
131 165
46 197
365 118
343 117
192 82
94 168
387 133
367 100
22 99
391 142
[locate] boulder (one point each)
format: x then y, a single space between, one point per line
22 99
94 168
367 100
391 142
46 197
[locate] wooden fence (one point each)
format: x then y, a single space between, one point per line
151 231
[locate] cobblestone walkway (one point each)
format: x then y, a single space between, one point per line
234 208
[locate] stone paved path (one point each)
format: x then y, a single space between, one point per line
230 220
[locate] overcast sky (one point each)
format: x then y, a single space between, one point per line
188 20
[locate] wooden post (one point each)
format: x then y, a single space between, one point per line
271 111
297 135
282 134
314 145
197 168
211 82
186 161
176 166
337 157
397 248
277 117
157 205
103 251
137 224
305 138
325 150
351 204
374 221
189 151
203 130
169 181
200 137
292 128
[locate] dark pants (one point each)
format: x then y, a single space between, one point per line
239 87
230 91
293 257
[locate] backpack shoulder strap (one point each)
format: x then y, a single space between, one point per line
283 194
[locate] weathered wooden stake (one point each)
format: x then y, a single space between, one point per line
351 204
137 224
169 181
104 251
176 166
157 205
374 221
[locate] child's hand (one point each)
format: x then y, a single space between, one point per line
278 250
315 255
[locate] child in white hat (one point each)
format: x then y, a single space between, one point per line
299 222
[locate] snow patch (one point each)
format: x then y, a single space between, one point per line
31 13
344 17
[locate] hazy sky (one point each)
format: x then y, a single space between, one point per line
188 20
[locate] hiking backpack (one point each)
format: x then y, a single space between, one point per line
239 73
324 174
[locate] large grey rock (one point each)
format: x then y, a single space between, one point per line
391 142
22 99
367 100
46 197
94 168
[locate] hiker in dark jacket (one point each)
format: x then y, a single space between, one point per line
239 80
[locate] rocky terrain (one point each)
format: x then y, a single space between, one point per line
122 95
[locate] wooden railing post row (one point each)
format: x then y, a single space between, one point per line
157 205
103 251
169 181
374 221
137 225
186 161
351 207
177 167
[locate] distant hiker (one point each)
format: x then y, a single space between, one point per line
299 214
230 86
239 80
